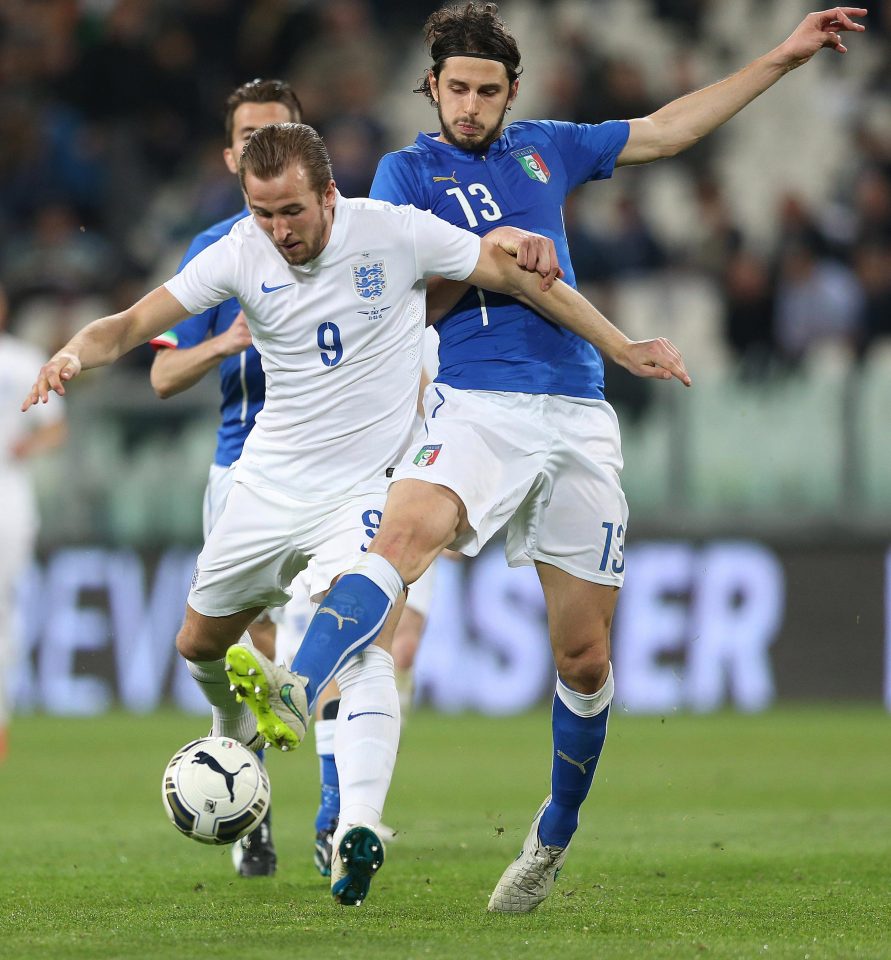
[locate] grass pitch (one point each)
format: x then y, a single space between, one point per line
705 836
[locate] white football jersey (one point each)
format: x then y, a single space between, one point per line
19 362
340 339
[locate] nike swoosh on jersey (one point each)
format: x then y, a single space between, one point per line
281 286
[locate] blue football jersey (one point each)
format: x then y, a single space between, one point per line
489 341
242 382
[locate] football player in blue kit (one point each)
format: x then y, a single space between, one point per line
220 338
517 429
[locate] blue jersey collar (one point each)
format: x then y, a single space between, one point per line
430 142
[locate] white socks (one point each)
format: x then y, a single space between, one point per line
587 704
366 737
324 733
381 573
230 718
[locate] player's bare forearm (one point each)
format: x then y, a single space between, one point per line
174 371
103 341
532 251
685 121
566 307
498 271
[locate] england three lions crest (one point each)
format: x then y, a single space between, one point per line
369 280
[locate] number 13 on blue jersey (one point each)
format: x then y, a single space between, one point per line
489 209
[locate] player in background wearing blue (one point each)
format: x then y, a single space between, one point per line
220 338
517 429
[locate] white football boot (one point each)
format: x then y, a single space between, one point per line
275 695
358 855
531 877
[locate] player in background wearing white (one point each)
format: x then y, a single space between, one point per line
334 294
219 338
517 428
19 521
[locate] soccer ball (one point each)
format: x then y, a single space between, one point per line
215 790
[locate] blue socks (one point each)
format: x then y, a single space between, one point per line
348 620
578 723
329 803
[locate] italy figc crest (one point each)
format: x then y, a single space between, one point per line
530 160
369 280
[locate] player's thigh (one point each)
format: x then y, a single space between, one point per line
420 519
575 517
580 616
485 448
251 555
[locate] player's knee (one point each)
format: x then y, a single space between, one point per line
192 646
583 667
410 548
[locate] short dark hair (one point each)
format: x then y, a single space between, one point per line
270 150
261 91
474 28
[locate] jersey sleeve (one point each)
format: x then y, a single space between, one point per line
589 150
193 330
442 249
207 280
395 182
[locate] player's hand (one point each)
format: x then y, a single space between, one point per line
53 376
533 252
658 358
818 30
237 338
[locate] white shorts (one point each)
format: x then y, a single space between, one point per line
548 466
263 540
219 483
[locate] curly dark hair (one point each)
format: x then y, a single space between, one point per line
473 28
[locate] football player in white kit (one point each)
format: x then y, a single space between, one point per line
19 441
219 338
334 293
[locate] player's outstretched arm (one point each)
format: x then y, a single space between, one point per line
175 370
498 271
683 122
104 340
532 251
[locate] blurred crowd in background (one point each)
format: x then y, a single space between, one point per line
776 230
